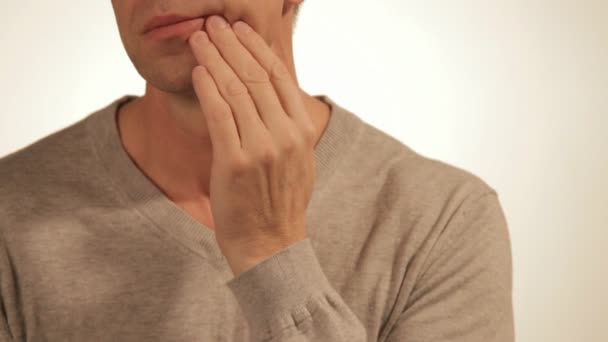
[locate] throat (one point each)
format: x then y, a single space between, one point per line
200 211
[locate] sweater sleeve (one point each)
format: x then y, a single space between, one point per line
464 291
288 298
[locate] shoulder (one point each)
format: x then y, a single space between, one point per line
393 179
36 178
46 155
421 177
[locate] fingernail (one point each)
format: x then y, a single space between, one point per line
200 37
242 27
201 70
219 22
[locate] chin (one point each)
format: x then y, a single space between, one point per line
169 75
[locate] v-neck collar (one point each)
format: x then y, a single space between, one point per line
143 195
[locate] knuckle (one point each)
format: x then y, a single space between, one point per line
309 133
278 71
268 156
239 165
290 147
221 113
255 74
234 87
292 142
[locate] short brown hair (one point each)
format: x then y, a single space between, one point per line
295 11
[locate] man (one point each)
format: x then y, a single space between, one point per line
227 204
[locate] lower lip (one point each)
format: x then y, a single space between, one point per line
183 27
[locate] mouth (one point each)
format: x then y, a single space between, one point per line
172 25
165 20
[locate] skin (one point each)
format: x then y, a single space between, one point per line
223 128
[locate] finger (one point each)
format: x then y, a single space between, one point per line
222 128
232 90
283 82
252 74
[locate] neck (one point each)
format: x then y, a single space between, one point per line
167 137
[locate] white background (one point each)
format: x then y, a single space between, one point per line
515 91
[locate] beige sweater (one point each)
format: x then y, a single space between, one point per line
400 247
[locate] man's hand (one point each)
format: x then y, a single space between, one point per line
263 166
